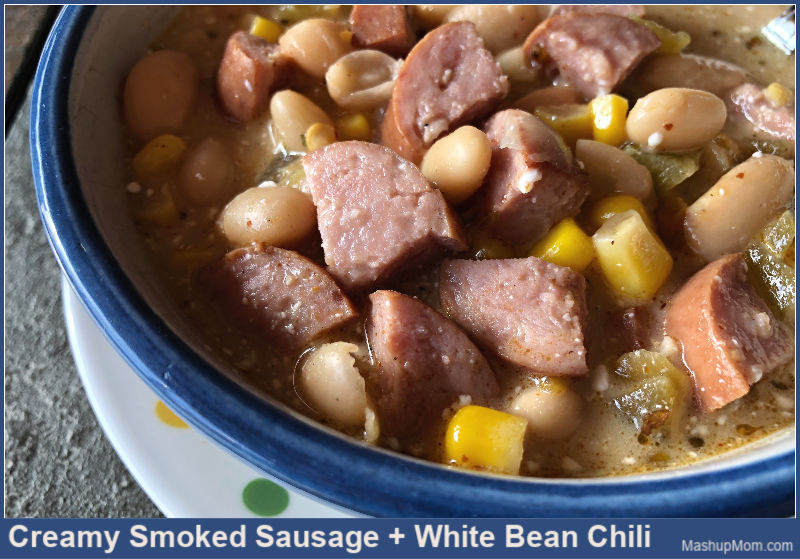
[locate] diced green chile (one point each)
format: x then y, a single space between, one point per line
668 169
656 393
772 278
768 270
671 41
779 234
286 171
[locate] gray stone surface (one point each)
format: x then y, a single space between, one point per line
21 25
58 462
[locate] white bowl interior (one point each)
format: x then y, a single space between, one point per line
115 38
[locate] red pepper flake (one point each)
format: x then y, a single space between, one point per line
668 126
739 175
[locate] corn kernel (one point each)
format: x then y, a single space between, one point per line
554 385
602 210
566 245
672 42
491 249
572 122
347 36
609 116
319 135
266 29
158 155
778 95
481 438
633 259
160 209
353 126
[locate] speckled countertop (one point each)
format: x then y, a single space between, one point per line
58 462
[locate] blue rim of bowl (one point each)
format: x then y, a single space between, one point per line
329 466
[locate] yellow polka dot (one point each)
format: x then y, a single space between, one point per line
168 416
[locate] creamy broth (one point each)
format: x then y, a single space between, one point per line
735 36
606 442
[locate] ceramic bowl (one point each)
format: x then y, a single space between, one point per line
77 150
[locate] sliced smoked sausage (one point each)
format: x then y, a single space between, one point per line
376 212
448 79
383 28
246 75
528 311
424 363
730 337
277 294
777 121
533 181
593 52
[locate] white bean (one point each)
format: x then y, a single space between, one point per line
739 205
611 170
676 119
315 44
292 114
553 95
430 15
457 163
513 64
687 70
501 27
331 384
159 93
362 80
205 176
278 216
552 413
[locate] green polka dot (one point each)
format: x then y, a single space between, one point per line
264 498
